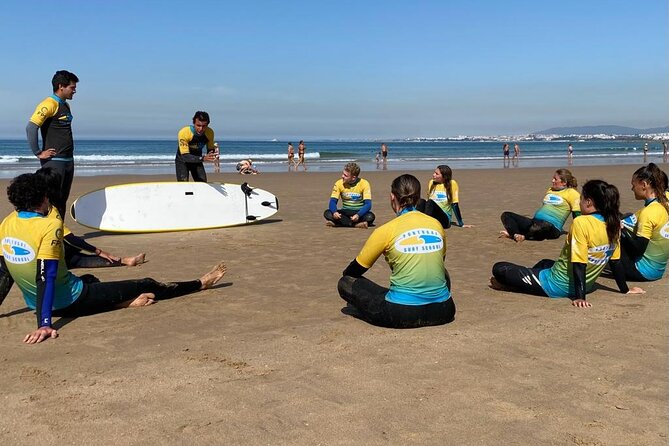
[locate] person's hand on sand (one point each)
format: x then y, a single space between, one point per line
581 303
46 154
39 335
636 290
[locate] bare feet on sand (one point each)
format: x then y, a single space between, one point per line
213 276
495 285
362 225
516 237
143 300
133 261
329 224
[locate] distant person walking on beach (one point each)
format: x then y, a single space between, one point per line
291 156
356 198
516 151
54 118
506 151
665 151
645 152
560 200
301 148
384 152
192 139
570 151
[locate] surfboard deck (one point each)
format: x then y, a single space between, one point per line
172 206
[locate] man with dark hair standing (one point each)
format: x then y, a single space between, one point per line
192 139
53 117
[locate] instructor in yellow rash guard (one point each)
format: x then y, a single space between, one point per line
53 117
192 139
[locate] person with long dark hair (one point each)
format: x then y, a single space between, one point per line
444 190
645 234
560 200
414 246
593 240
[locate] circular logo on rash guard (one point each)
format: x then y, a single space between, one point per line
17 251
664 232
553 199
419 241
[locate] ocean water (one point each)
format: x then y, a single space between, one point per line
105 157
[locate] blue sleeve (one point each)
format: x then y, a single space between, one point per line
458 215
366 207
333 204
46 290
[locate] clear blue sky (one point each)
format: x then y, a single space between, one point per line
349 69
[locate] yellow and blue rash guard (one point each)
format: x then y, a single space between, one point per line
54 118
651 222
587 243
352 196
28 236
191 143
440 196
557 206
414 246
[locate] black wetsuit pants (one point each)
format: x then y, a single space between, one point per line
346 215
196 170
74 258
521 278
98 297
370 300
65 169
531 228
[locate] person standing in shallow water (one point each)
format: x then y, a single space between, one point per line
291 156
54 118
301 149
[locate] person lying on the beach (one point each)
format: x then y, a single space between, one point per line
32 254
414 246
560 200
645 234
73 245
593 240
245 167
356 198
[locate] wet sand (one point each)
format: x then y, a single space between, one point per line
268 357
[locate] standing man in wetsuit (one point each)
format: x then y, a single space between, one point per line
53 117
192 139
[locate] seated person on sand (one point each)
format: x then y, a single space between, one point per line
644 239
560 200
593 240
32 242
443 191
245 167
73 245
414 246
356 198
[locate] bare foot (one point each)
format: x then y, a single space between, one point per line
362 225
143 300
495 285
503 234
133 261
213 276
519 238
330 224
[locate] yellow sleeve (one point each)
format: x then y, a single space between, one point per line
455 191
367 191
45 110
578 241
574 200
52 241
210 139
336 190
645 223
185 136
429 187
374 247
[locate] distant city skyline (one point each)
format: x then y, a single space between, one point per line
345 69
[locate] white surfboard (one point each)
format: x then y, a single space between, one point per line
172 206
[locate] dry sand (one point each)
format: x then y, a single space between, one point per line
269 358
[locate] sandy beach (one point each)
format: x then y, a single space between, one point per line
268 357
